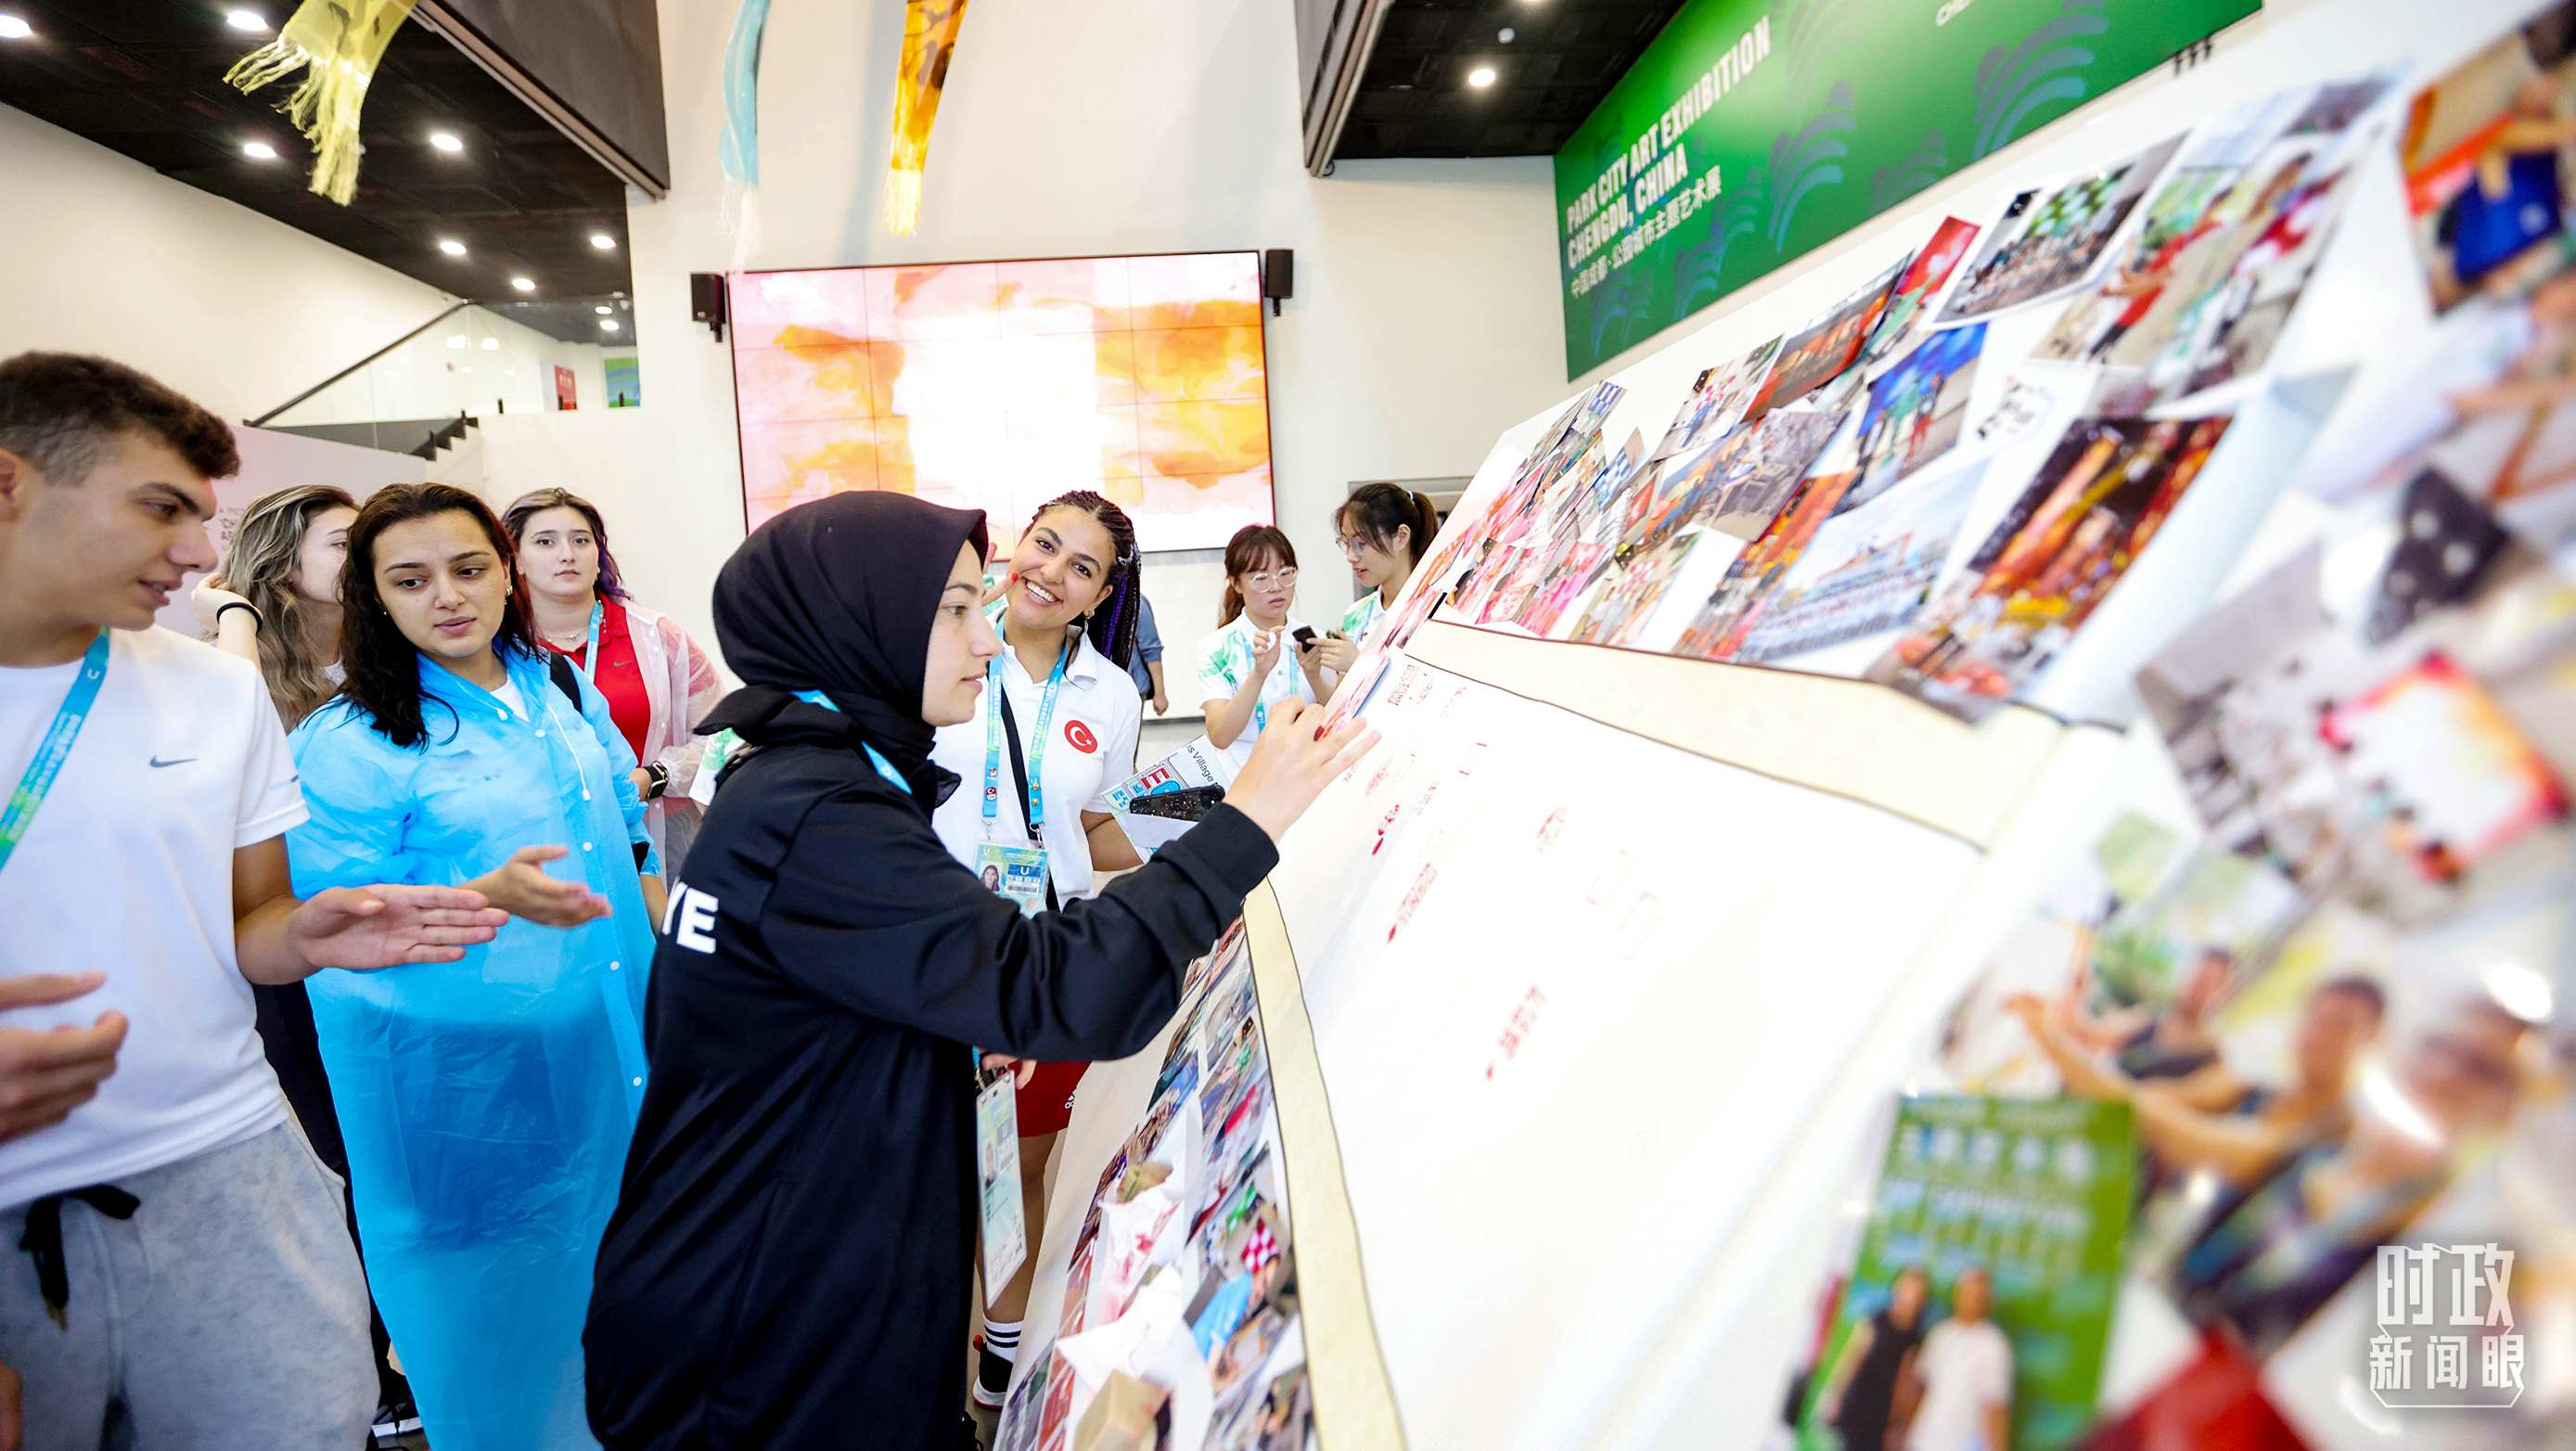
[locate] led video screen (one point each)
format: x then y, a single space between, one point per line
998 385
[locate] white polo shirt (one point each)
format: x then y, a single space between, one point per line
1225 659
128 868
1091 747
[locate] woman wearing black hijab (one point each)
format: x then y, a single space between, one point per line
790 1260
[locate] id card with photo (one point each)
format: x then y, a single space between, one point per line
1017 872
997 1174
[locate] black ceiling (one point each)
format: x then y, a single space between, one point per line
146 78
1563 57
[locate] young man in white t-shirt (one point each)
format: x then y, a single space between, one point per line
187 1277
1965 1367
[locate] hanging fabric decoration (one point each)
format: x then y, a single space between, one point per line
339 43
739 150
929 35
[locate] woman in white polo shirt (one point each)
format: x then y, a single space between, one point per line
1252 661
1059 703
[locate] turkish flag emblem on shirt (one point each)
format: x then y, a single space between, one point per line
1079 736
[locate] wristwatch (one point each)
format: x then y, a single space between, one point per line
657 780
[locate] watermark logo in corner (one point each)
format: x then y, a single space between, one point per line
2446 1338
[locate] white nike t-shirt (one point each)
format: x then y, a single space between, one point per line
128 868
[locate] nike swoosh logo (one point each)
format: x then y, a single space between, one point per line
159 764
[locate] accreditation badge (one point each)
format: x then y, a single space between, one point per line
1017 872
997 1174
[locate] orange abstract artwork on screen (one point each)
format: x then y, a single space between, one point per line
999 385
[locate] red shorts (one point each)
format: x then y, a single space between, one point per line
1045 1102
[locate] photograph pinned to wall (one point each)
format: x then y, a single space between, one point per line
1910 303
2385 773
1979 1296
2205 285
1718 400
2345 1062
2050 239
1917 409
1628 602
1752 577
2492 413
2057 554
2484 150
1867 570
1826 348
1760 465
2184 685
1566 581
2135 946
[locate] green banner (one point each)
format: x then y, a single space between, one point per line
1753 131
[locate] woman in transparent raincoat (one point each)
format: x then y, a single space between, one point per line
487 1103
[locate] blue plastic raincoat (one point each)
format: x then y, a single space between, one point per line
487 1103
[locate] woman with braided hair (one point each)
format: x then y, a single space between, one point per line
1056 731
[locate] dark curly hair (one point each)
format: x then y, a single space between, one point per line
1111 623
383 665
60 411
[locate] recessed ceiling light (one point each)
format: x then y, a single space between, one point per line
456 340
446 141
1504 35
491 345
465 370
603 241
451 246
245 20
603 309
13 28
259 151
608 324
1481 77
524 284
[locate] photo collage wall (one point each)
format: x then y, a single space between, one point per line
1180 1307
2312 1008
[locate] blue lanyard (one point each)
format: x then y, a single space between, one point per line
590 653
53 750
1037 746
884 767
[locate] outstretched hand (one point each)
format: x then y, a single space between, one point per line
1292 764
522 888
390 926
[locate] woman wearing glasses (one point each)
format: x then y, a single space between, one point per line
1252 662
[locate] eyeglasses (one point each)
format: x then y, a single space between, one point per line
1351 544
1264 579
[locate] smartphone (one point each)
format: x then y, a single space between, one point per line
1305 638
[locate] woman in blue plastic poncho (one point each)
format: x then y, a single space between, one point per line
487 1103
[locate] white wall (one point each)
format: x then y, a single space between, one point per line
99 254
477 362
1426 315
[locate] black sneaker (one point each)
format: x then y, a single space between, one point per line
992 1378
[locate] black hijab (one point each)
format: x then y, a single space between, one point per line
839 596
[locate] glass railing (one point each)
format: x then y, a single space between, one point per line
471 362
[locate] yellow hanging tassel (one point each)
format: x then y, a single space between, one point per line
929 36
339 42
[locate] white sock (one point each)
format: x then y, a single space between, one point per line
1002 1337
